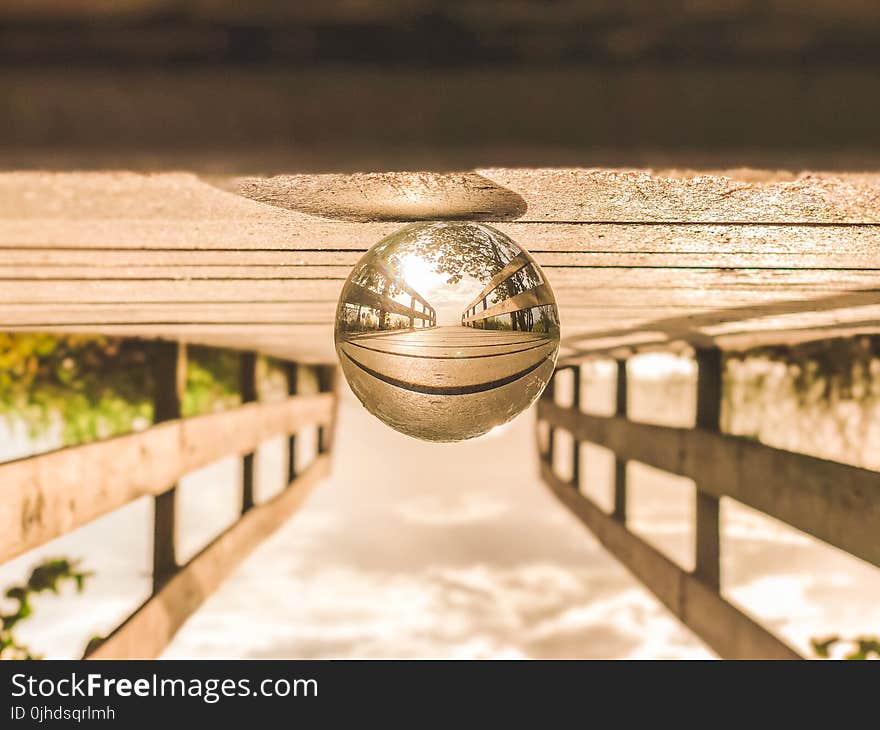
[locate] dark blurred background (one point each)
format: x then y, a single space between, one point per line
266 85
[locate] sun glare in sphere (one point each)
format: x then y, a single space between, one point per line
419 274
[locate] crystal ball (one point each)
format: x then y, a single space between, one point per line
446 330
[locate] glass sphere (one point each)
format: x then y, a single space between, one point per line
445 330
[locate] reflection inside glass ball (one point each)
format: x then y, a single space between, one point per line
445 330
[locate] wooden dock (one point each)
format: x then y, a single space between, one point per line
638 259
635 257
193 173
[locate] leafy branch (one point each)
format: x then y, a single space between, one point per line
49 576
863 647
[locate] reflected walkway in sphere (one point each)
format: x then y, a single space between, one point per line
447 383
449 360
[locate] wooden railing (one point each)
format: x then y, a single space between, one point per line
364 297
479 309
837 503
51 494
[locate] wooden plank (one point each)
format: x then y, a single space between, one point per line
149 630
585 316
184 313
224 290
602 195
645 195
33 265
43 497
470 366
47 279
173 256
726 629
244 238
588 283
631 210
834 502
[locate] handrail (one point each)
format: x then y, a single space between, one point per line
151 627
45 496
406 287
363 296
520 261
729 631
48 495
837 503
537 297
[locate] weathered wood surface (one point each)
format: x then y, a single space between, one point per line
449 359
149 630
45 496
634 257
834 502
727 630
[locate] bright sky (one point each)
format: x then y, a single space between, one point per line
448 301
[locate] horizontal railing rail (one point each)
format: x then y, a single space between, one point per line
725 628
149 629
360 295
401 283
540 296
835 502
520 261
51 494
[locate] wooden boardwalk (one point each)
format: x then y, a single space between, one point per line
447 383
448 360
634 257
637 259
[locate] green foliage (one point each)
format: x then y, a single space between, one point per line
211 380
93 387
46 577
863 647
97 387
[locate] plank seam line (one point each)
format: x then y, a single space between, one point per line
449 390
449 357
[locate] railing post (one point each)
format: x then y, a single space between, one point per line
325 375
550 394
619 511
708 534
248 390
292 370
576 445
169 387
